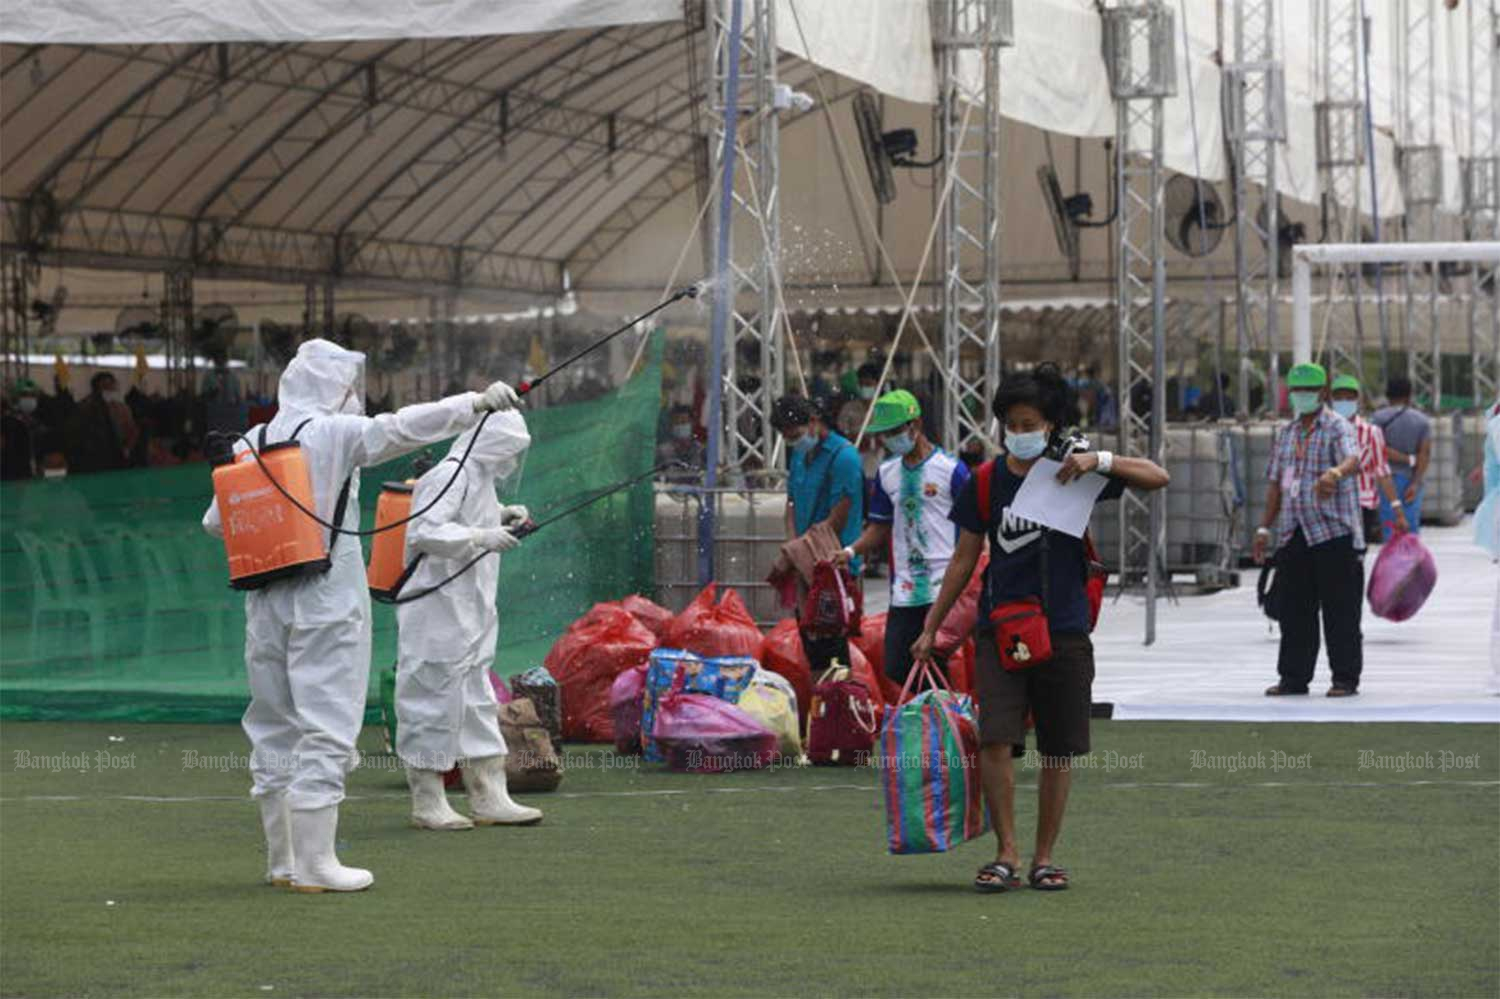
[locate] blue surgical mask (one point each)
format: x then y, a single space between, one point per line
900 444
1304 402
1346 407
1026 446
805 443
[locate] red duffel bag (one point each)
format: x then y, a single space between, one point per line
710 627
842 722
601 645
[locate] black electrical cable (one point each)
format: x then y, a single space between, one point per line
528 529
691 291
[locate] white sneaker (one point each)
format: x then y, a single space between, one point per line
429 802
276 820
489 799
318 867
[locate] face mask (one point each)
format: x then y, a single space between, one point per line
900 444
805 443
682 431
1026 446
114 395
867 391
1346 407
54 473
26 404
1303 402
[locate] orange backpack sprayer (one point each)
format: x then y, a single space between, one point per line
265 537
388 570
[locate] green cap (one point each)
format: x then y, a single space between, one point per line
1345 383
1306 376
893 410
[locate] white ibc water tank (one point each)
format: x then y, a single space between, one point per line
1471 456
1442 502
748 533
1260 437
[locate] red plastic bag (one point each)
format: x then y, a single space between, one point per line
714 628
626 702
585 661
650 613
961 619
781 652
1402 578
698 733
961 669
871 643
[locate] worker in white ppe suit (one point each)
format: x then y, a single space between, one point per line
446 711
307 638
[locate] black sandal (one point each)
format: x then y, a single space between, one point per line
1048 877
996 877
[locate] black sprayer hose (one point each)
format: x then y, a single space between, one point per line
528 529
691 291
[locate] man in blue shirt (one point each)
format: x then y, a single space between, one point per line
825 483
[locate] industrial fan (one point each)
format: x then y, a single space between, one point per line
1194 216
884 150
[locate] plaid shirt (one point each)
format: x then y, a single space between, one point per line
1297 460
1372 463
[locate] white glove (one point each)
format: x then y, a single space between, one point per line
496 539
514 514
497 398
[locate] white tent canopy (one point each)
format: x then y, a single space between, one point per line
404 148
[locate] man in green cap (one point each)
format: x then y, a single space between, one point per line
1312 513
1374 470
914 492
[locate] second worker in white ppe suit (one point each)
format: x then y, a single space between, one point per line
446 711
307 638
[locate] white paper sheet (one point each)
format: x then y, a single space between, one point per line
1044 500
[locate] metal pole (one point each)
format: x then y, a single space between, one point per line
724 289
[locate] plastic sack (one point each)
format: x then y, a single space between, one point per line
626 702
712 627
781 652
771 701
653 615
586 659
540 688
929 772
699 733
871 643
961 619
1402 579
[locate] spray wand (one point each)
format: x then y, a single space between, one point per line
525 530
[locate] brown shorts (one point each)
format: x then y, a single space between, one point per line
1059 693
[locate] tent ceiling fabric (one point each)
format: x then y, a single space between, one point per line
492 163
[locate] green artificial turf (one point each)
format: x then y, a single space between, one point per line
1318 878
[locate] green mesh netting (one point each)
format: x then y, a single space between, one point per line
114 604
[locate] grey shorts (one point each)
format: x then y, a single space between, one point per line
1058 693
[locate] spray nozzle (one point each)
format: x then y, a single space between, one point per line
691 291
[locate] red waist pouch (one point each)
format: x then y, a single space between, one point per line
1022 635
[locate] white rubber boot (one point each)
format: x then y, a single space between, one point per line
276 820
489 800
429 802
318 867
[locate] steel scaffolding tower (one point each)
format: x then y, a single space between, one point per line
15 304
1422 187
746 229
1480 170
971 30
1255 109
1140 51
1341 142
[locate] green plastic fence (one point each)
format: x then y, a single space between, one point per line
114 605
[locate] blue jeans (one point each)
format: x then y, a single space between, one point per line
1413 509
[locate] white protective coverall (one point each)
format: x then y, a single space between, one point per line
446 711
307 638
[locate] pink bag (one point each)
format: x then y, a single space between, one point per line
1403 576
498 686
699 733
625 697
